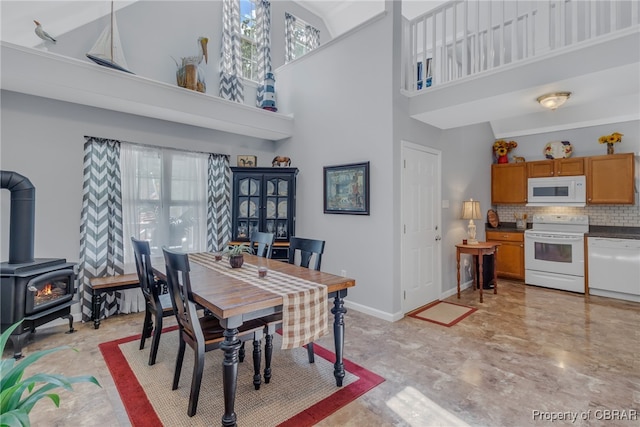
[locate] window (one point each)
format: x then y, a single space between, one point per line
248 42
164 198
301 38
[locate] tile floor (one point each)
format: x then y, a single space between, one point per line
527 354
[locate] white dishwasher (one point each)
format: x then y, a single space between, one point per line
614 268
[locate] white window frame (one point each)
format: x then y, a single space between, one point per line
244 38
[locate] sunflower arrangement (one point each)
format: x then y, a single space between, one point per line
502 147
614 138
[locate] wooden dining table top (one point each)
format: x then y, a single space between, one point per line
227 296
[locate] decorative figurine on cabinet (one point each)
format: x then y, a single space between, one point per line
281 161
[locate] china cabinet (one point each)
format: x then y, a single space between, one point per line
264 199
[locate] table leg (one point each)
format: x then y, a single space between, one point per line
339 311
230 347
481 273
96 303
495 271
458 267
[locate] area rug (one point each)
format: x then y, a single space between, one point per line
299 393
442 313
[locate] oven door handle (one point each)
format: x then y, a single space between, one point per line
556 237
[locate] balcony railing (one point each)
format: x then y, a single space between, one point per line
462 38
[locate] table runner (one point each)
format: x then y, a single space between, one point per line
304 308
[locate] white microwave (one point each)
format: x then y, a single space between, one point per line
557 191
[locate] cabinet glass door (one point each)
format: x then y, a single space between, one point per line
248 207
276 220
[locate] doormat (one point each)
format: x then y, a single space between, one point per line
442 313
299 394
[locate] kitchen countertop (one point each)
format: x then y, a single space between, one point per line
594 230
507 227
614 232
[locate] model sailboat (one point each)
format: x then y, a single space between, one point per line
107 50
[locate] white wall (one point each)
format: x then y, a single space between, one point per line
43 140
341 98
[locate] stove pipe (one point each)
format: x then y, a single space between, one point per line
22 219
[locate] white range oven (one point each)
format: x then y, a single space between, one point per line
554 252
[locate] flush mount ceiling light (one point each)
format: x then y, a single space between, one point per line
553 100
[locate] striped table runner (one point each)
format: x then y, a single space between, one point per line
305 316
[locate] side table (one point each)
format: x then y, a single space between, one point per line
480 249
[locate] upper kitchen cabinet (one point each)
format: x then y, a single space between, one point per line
557 167
509 183
610 179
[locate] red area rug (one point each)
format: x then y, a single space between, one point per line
153 403
442 313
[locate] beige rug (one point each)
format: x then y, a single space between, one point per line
299 393
442 312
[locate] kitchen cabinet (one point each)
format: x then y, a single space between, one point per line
510 260
556 167
610 179
264 199
509 183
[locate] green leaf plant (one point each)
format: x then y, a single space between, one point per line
19 395
235 250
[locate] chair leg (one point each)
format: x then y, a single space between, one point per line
179 359
310 353
155 342
257 355
268 352
147 326
196 380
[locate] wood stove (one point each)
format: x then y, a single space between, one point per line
34 291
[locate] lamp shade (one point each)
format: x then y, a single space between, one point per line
471 209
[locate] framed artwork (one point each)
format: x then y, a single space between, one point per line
245 161
346 189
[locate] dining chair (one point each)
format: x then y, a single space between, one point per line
157 305
301 252
264 242
203 333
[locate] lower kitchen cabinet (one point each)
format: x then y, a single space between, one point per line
510 260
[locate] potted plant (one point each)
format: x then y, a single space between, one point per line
236 254
15 408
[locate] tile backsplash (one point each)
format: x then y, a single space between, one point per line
613 215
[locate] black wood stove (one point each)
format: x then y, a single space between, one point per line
35 291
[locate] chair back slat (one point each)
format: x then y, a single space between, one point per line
307 248
142 255
264 242
179 281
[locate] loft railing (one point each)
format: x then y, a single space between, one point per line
462 38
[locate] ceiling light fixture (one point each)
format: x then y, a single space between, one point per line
553 100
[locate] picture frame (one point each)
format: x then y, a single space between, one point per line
346 189
247 161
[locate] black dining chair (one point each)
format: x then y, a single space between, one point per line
301 252
157 305
204 333
264 242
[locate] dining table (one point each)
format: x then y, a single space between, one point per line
236 295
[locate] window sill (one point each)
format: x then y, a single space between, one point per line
45 74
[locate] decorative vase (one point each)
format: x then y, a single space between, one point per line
236 261
503 159
610 148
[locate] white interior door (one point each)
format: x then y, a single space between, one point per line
421 249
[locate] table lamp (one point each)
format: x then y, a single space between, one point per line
471 211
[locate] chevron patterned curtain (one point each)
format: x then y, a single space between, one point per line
289 38
312 36
231 87
263 37
219 202
101 239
